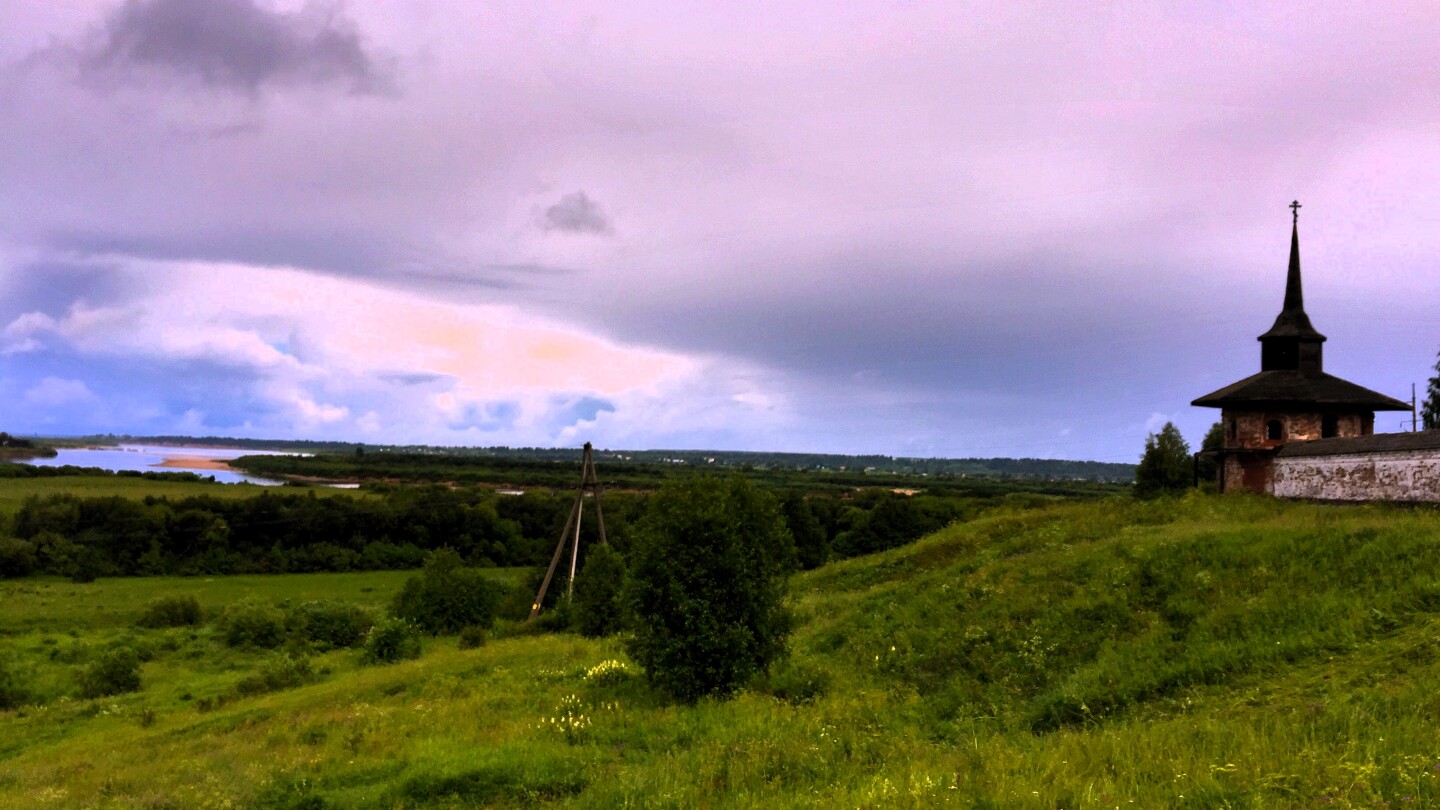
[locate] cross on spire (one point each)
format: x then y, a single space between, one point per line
1295 209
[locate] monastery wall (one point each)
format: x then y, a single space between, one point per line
1412 475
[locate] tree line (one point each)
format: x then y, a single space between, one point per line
291 530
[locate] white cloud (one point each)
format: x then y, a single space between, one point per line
55 392
324 356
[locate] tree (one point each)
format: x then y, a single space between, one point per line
447 597
1430 410
598 609
1213 442
706 587
1165 466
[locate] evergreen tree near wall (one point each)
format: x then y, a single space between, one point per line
1166 465
1430 409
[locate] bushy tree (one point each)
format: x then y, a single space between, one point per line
1213 442
447 597
598 609
706 586
1430 409
812 545
1166 465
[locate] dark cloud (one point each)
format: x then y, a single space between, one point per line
416 378
235 45
576 213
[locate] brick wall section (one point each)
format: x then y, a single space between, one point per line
1399 476
1299 426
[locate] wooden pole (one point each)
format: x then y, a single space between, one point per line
589 479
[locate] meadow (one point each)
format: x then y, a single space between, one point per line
1202 652
14 491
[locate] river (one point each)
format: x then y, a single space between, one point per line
205 461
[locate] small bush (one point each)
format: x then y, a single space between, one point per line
472 637
17 557
115 672
329 625
172 611
290 792
447 597
250 623
279 671
391 641
13 693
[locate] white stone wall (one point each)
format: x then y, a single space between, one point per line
1412 475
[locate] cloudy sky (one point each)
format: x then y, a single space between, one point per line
916 229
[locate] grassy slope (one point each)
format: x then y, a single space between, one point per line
1210 652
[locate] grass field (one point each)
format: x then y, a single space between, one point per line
1210 652
14 491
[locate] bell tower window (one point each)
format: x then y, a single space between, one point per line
1329 426
1274 430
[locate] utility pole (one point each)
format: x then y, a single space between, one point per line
1413 423
588 482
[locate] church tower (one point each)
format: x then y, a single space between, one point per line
1292 399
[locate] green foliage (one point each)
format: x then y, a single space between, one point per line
278 671
598 608
707 586
13 693
1430 408
1199 651
1214 441
447 597
252 623
172 611
289 792
116 671
812 543
328 624
17 557
390 641
473 637
1166 465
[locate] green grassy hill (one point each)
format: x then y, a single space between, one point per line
1210 652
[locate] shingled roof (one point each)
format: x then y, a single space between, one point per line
1377 443
1288 388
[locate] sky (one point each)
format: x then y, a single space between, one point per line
916 229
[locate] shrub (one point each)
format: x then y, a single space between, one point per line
290 792
472 637
706 586
13 693
17 557
447 596
250 623
390 641
115 672
171 611
278 671
598 609
329 625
